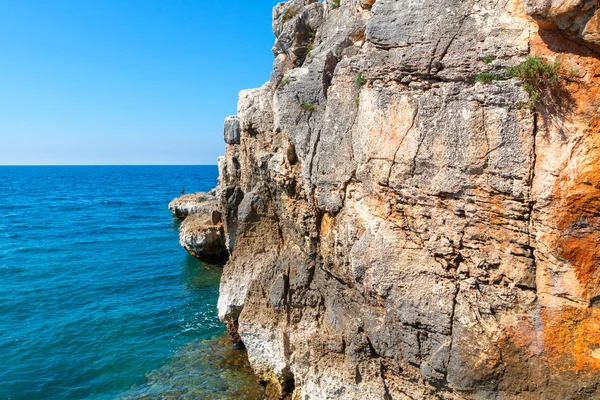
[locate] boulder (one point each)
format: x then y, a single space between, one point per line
231 132
201 233
203 239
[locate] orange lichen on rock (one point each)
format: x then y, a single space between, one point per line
583 253
578 224
516 8
572 339
576 192
568 149
521 332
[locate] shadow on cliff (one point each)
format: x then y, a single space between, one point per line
558 43
556 108
561 105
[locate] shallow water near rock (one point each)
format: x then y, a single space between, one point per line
97 298
210 369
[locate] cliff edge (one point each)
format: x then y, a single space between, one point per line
412 202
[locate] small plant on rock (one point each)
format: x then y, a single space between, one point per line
284 82
539 77
288 14
359 80
488 59
334 3
306 106
488 77
309 48
574 72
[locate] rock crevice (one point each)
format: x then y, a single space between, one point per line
399 229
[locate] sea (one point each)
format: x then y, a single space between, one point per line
97 298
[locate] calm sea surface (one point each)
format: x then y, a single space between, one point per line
97 298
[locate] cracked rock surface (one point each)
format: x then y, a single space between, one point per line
399 230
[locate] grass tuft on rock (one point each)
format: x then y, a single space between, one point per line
488 77
288 14
309 49
306 106
488 59
359 80
540 78
284 82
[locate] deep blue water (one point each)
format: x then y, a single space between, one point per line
96 295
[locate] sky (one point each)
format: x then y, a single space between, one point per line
126 82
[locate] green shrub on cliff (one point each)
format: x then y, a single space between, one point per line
539 77
284 82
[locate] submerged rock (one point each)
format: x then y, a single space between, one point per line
207 369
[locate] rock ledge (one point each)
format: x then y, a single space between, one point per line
201 233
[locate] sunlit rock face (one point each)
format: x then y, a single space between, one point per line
579 19
399 229
201 233
196 203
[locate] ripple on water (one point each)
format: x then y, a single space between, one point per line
96 295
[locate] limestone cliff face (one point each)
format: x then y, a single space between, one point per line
399 230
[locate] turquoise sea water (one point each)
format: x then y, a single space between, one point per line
97 298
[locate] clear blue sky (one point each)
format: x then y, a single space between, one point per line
126 81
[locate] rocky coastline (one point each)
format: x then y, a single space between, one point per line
410 207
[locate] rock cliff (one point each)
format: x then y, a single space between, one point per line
404 221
